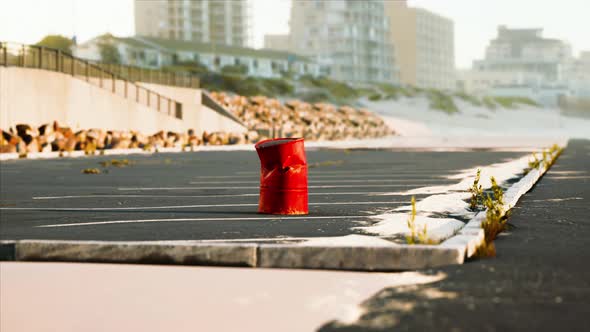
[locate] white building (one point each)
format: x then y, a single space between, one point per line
349 39
207 21
277 42
156 52
424 46
526 50
481 82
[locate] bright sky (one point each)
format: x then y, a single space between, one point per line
476 21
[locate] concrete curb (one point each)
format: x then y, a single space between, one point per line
472 235
129 252
367 258
245 255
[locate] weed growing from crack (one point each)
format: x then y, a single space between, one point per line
417 236
535 163
476 191
555 151
91 171
549 156
485 249
496 217
115 163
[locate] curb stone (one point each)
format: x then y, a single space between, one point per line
370 258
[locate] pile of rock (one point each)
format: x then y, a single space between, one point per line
295 118
52 137
265 117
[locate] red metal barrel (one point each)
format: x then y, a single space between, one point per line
283 176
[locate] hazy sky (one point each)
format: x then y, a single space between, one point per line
476 21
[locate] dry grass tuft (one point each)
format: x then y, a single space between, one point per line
485 250
91 171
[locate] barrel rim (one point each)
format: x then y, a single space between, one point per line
287 140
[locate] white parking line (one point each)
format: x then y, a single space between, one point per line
233 188
324 181
368 193
193 219
369 171
318 176
178 206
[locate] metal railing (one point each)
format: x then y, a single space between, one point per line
156 76
38 57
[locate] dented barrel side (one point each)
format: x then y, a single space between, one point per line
283 176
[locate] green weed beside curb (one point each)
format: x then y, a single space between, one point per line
476 191
417 236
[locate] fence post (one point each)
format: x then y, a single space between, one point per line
169 105
148 97
40 57
100 72
58 67
125 88
5 53
136 93
23 56
158 102
114 86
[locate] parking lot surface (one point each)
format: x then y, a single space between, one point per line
211 195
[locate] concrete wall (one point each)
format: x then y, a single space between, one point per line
35 97
196 115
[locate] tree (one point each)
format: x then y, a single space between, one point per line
61 43
109 53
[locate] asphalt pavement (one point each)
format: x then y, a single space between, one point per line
211 195
539 281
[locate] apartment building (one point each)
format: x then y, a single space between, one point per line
277 42
207 21
349 39
153 52
424 46
526 50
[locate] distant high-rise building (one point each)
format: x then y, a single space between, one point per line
526 51
209 21
424 46
349 39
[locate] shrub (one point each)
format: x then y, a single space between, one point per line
441 101
315 96
512 102
234 69
489 103
375 97
469 98
277 86
335 88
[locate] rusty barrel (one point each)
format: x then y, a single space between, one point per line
283 176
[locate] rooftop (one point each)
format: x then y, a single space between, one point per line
172 46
